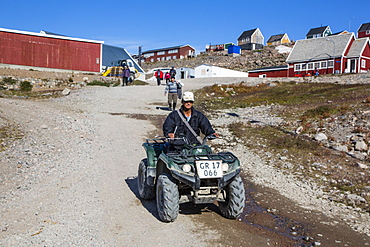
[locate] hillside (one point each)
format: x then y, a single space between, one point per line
248 60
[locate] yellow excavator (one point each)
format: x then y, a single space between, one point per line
117 67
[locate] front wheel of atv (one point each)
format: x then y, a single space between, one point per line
234 199
167 198
145 191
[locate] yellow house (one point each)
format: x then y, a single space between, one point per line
278 39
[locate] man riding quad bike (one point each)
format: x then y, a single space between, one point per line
182 168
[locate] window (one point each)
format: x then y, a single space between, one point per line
330 64
310 66
161 52
152 60
168 58
317 66
297 67
323 65
149 55
367 32
363 63
173 51
304 66
174 57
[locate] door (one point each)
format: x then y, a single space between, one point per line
353 66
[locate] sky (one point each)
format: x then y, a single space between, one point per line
166 23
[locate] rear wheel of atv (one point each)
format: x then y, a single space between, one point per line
145 191
235 199
167 198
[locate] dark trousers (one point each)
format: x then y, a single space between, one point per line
158 81
124 81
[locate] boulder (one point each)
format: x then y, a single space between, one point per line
320 137
363 166
340 148
361 146
66 91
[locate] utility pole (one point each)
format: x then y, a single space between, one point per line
349 25
140 54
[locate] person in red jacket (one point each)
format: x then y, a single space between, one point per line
159 75
167 76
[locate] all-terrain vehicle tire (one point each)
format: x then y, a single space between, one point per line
235 199
146 191
167 196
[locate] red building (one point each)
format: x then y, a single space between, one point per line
277 71
170 53
49 51
364 30
335 54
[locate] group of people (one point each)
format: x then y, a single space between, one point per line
126 76
167 76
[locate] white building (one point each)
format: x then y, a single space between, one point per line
185 73
205 70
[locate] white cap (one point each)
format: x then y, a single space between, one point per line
188 96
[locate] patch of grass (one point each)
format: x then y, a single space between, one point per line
311 99
8 80
8 134
100 83
26 86
139 83
46 94
275 139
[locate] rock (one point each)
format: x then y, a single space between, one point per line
340 148
66 91
299 130
361 146
320 137
359 155
44 126
363 166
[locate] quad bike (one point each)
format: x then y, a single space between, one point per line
175 172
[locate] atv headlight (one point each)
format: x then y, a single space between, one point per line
186 168
225 167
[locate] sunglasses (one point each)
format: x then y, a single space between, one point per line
189 101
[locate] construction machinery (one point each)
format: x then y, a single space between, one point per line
117 67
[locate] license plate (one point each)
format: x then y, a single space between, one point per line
209 168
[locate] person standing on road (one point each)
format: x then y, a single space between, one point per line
159 76
126 73
173 72
171 89
167 76
174 126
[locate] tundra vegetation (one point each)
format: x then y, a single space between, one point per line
311 108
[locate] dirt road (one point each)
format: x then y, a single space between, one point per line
71 180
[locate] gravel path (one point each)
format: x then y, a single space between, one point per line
71 181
